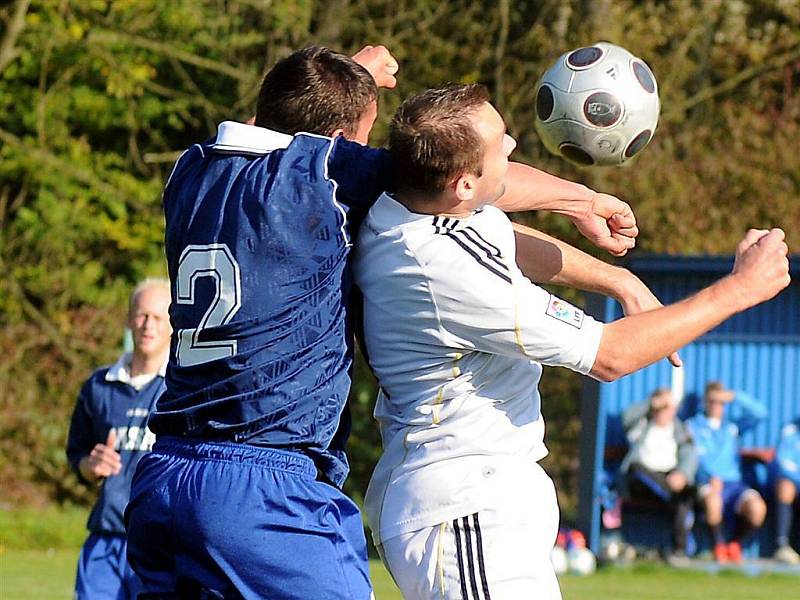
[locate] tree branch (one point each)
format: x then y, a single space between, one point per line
114 37
772 64
8 51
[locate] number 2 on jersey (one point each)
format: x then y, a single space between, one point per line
215 261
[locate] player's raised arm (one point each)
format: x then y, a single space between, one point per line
545 259
605 220
761 271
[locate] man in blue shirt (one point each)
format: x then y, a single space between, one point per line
719 477
108 436
240 497
786 475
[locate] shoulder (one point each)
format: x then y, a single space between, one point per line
96 381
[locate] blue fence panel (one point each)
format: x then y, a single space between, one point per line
757 351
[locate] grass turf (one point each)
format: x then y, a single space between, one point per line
39 549
49 575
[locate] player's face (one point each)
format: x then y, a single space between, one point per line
715 404
149 322
365 123
498 145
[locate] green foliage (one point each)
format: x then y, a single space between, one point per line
98 98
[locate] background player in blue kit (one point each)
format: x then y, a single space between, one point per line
108 435
716 432
786 476
240 497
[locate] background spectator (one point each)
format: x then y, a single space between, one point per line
786 470
723 493
661 463
108 435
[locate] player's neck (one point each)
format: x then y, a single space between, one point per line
146 365
443 205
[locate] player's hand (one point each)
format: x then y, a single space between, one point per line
676 481
380 63
609 223
103 461
762 265
635 297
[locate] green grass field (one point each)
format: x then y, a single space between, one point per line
38 551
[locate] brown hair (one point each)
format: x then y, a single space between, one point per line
315 90
714 386
432 140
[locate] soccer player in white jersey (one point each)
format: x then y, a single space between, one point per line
457 335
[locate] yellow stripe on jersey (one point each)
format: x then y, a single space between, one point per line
437 405
517 328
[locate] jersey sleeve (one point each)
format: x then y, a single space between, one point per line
745 411
361 173
80 440
486 310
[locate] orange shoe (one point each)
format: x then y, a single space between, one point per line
735 552
721 553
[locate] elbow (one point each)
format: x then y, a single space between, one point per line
608 368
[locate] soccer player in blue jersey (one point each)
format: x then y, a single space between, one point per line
716 432
786 477
240 497
108 436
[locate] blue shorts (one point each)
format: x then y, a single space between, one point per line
732 492
103 570
226 520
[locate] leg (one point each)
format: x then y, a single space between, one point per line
711 498
785 496
98 575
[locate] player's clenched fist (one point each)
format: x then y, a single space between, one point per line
762 265
380 63
102 461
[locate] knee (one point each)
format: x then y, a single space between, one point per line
755 510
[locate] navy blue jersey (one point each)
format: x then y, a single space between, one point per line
257 240
105 402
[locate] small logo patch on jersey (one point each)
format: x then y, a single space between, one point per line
564 311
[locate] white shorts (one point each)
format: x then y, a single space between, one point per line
499 553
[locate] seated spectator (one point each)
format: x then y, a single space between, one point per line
661 463
721 488
786 471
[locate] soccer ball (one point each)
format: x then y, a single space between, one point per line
597 105
581 561
558 557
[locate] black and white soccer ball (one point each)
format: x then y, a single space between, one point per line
597 105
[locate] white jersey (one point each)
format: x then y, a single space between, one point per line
456 335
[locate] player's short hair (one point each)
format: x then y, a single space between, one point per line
660 393
713 386
432 140
315 90
146 284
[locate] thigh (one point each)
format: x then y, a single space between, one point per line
498 553
648 484
99 573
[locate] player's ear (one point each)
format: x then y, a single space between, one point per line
464 187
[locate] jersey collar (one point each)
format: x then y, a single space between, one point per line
388 212
121 370
239 137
